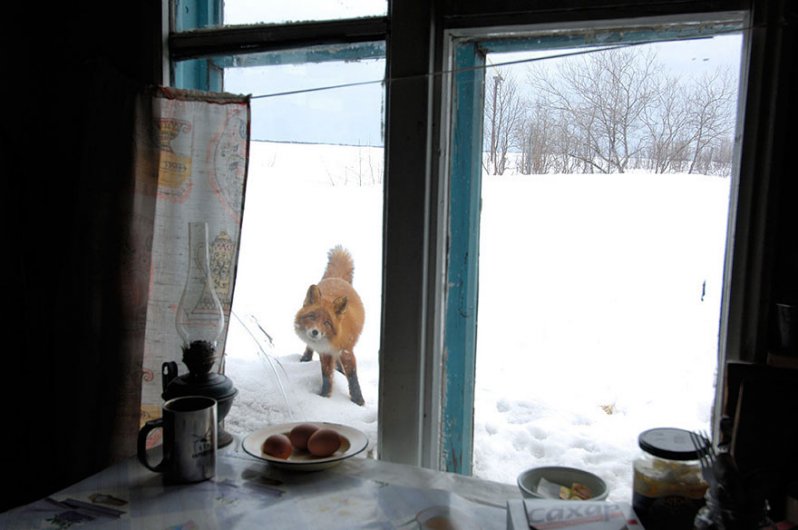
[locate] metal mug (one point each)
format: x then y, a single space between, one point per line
189 439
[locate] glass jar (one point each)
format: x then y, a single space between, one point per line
668 488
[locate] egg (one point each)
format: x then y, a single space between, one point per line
324 442
299 435
278 446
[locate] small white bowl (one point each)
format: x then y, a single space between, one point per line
529 480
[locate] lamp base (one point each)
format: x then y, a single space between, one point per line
213 385
223 438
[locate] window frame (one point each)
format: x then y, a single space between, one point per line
413 352
742 325
469 49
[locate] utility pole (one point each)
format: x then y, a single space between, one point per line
493 147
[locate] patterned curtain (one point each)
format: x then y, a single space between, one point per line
200 142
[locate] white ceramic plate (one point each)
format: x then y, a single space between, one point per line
352 443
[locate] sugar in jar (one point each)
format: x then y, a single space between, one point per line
668 488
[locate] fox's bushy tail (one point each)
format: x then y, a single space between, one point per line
339 264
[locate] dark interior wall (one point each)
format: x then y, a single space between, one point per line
64 321
62 337
786 287
783 288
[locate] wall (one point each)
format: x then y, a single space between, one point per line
64 324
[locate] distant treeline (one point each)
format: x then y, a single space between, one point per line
608 112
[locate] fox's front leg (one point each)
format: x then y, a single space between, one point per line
350 369
327 367
308 355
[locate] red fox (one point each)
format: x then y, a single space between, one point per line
330 322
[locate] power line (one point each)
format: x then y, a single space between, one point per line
487 66
433 74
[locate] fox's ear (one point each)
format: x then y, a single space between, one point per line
340 304
313 296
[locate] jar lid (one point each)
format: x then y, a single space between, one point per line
670 443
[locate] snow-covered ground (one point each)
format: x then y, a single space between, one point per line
598 310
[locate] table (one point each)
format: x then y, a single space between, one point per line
248 493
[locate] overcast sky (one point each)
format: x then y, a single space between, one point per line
352 115
279 11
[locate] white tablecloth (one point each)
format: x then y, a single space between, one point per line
247 493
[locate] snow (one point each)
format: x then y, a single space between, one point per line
598 310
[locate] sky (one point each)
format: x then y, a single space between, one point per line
278 11
316 116
686 57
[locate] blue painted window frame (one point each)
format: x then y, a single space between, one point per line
465 187
463 270
197 74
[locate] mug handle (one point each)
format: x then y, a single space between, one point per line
141 446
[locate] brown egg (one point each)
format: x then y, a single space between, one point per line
299 435
278 446
324 442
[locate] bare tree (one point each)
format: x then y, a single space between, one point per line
614 110
603 94
723 156
712 117
504 112
667 128
536 137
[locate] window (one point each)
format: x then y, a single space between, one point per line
434 106
315 182
590 230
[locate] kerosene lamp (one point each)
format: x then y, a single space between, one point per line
200 323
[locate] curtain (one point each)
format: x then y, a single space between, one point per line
99 212
199 145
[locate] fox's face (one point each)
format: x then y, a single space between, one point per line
318 322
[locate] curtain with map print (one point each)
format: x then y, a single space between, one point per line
200 142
